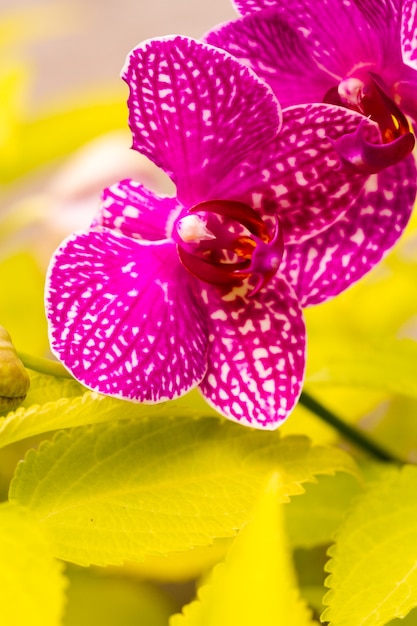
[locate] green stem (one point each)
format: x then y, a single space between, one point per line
353 434
43 366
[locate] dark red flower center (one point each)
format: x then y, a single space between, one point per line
222 242
365 93
368 96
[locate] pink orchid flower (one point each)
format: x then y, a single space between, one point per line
163 294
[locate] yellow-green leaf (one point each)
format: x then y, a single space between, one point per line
109 599
177 567
388 367
70 408
309 567
397 426
373 569
313 517
256 583
118 491
45 388
409 620
31 582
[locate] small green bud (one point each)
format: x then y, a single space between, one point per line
14 379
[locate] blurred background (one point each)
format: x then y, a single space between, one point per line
84 44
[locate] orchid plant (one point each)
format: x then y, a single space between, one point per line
290 151
371 69
162 293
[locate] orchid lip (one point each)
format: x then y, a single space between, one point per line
223 242
358 154
368 96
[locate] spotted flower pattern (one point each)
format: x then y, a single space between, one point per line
163 294
362 55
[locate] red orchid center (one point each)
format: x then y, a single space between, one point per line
364 92
223 242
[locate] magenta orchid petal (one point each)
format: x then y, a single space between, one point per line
326 265
303 183
277 53
381 13
132 210
409 33
382 18
123 319
256 355
189 109
322 24
359 154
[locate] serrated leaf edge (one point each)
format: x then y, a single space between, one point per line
332 550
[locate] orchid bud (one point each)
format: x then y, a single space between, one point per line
14 380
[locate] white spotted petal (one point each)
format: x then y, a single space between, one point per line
196 112
123 319
256 355
322 23
277 52
409 33
245 7
324 266
133 210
